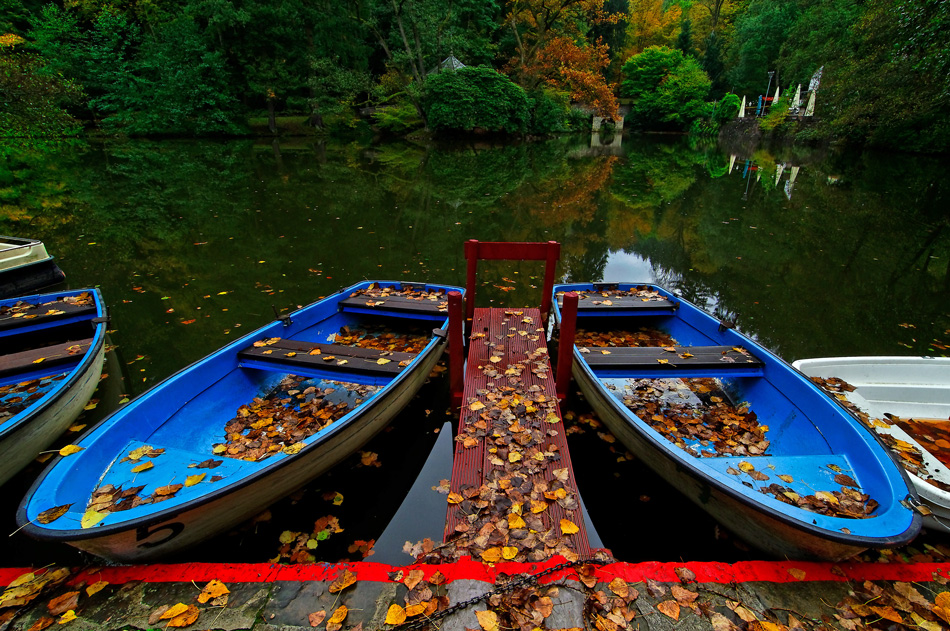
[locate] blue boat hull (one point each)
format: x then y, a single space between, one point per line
809 442
60 386
185 416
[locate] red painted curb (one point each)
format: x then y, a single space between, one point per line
711 572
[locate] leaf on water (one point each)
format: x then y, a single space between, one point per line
52 514
69 450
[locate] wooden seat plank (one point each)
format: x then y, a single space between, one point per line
399 304
38 358
684 357
42 313
353 358
596 302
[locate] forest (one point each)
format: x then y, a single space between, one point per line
236 67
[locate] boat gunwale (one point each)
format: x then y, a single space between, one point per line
710 477
436 342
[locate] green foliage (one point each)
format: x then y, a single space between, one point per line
822 33
475 98
399 117
177 86
33 98
778 112
550 110
668 88
728 108
759 34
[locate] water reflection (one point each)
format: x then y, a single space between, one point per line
811 252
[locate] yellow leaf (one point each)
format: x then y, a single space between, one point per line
825 495
509 552
514 456
69 450
342 582
66 617
192 480
383 360
214 589
145 466
786 478
293 449
492 555
52 514
797 573
96 587
568 527
173 611
339 615
515 521
476 406
888 613
669 608
92 517
746 466
184 619
415 610
619 587
488 620
37 361
218 449
395 615
455 498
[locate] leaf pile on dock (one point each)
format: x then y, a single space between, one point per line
16 397
910 457
20 308
375 294
280 421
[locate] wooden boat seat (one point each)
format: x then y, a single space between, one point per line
289 354
694 360
39 358
397 305
596 303
41 314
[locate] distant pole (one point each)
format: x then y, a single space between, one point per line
771 73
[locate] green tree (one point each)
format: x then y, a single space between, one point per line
668 88
759 34
472 98
32 97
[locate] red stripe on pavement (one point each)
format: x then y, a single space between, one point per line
743 572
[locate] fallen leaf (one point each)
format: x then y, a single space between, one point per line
395 615
568 527
92 517
52 514
192 480
413 578
41 624
173 611
342 582
67 617
145 466
669 608
619 587
338 616
69 450
317 617
488 620
96 587
797 573
184 618
214 589
63 603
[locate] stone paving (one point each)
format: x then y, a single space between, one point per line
133 600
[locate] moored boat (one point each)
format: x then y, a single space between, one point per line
217 442
733 427
26 267
52 355
906 400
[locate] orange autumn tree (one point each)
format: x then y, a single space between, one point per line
552 49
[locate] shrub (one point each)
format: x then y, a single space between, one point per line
549 111
398 118
668 88
728 108
471 98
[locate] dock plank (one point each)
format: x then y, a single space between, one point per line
511 452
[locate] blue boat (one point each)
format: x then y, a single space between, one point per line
734 428
217 442
53 346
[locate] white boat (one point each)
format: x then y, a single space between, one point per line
904 399
25 266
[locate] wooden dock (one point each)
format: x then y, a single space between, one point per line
512 491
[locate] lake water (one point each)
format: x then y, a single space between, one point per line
813 253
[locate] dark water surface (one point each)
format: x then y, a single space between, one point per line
195 243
